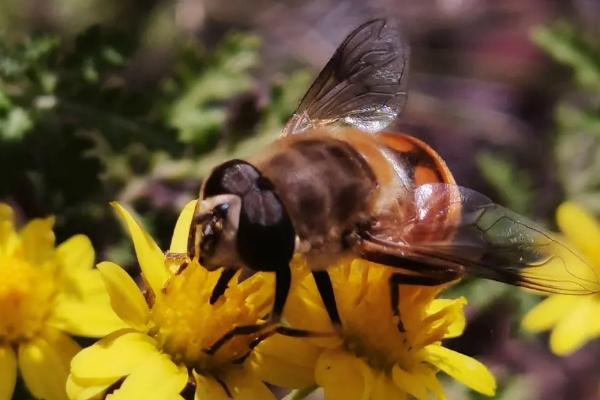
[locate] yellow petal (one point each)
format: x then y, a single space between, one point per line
85 283
44 364
169 380
83 307
453 310
149 255
581 229
80 389
88 317
421 382
114 356
125 296
182 228
242 385
385 389
579 325
464 369
38 240
285 361
548 312
8 372
76 253
411 383
209 389
343 376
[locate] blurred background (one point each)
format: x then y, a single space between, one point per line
135 101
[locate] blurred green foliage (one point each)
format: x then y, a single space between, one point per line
576 143
513 185
79 127
577 114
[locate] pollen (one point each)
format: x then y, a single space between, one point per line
26 298
186 324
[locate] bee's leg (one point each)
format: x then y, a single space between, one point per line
325 288
398 279
222 284
286 331
283 278
282 287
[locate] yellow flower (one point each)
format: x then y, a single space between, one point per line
46 293
372 359
573 319
169 329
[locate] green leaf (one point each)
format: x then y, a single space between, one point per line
199 109
566 46
16 124
512 185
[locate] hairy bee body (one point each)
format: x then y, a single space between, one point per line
334 181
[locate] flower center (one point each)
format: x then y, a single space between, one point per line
26 293
371 331
186 324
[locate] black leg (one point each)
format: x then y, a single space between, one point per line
222 284
420 280
237 331
394 300
325 288
283 330
283 279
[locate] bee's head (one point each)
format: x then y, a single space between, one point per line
240 221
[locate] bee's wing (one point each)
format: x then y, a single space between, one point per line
451 226
363 85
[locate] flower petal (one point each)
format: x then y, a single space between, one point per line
8 371
83 307
125 296
44 364
76 253
149 255
208 389
38 240
113 356
172 379
412 383
452 310
548 312
384 388
182 228
88 317
581 229
244 386
464 369
285 361
80 389
578 326
343 376
85 283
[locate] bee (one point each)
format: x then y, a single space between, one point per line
337 184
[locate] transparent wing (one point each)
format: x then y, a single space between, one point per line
456 226
363 85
